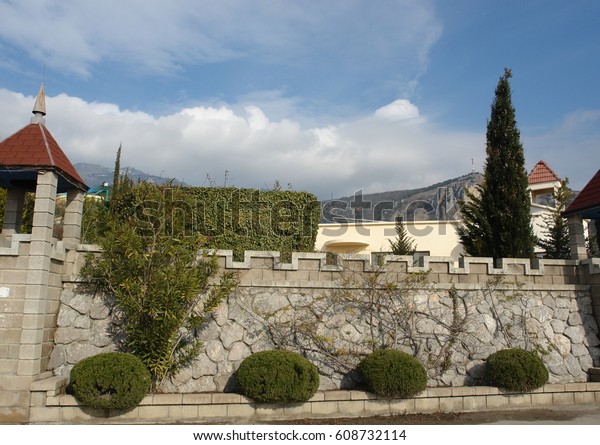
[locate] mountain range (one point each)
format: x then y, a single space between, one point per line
95 175
439 201
435 202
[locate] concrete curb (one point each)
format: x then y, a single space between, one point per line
48 405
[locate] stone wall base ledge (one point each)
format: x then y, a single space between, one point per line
235 409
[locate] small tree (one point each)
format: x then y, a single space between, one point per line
163 291
556 240
497 218
402 245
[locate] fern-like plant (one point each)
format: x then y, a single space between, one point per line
162 287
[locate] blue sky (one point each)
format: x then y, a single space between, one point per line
331 96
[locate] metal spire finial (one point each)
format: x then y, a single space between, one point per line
39 108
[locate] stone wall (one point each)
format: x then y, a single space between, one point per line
457 316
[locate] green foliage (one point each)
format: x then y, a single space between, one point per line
496 219
163 290
228 218
402 245
2 203
94 219
593 242
27 218
516 370
277 376
248 219
557 242
111 380
392 373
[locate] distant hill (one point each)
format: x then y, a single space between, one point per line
95 175
435 202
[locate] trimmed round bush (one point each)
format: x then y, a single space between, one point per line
391 373
277 376
516 370
111 380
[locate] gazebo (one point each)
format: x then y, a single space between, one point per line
32 161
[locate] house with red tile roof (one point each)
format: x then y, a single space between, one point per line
543 181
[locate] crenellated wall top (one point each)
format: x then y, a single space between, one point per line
465 265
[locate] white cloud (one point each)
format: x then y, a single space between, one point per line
400 109
368 154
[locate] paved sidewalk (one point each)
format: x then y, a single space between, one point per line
556 415
565 415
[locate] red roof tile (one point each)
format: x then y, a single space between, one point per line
588 198
542 173
33 146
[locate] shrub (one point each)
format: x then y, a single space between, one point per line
111 380
516 370
277 376
392 373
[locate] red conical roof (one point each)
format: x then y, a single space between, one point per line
33 147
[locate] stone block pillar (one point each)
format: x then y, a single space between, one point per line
73 216
577 237
13 212
34 349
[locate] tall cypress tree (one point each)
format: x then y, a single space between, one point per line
117 172
497 218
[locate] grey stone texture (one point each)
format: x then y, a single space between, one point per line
306 316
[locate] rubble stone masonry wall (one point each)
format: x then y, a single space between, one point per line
548 308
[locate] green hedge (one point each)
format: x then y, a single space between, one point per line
277 376
392 373
516 370
230 218
111 380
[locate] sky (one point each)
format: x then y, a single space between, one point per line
329 96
